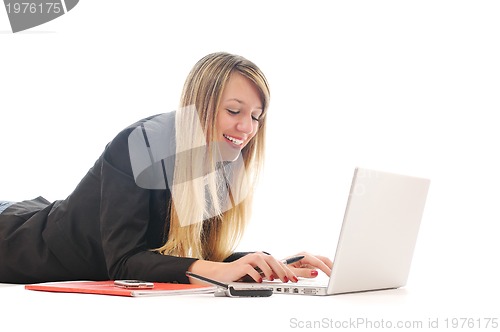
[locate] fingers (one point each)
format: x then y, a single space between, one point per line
258 266
252 275
305 272
307 266
266 266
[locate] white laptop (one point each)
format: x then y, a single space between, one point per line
377 238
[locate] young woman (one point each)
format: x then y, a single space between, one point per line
169 194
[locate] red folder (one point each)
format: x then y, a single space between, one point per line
108 288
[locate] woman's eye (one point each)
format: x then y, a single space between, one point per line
236 112
256 116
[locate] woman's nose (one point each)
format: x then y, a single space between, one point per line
245 125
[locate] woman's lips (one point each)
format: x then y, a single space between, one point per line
234 140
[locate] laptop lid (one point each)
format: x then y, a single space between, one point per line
377 239
379 232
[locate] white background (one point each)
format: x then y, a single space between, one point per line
410 87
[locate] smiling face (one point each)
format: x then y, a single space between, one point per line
238 115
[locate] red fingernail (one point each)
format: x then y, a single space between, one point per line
295 279
314 273
260 280
285 279
271 278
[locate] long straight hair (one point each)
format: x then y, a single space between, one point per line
191 233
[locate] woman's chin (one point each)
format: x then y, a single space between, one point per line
227 151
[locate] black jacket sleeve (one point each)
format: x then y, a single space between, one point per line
126 215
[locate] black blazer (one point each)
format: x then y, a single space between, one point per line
104 230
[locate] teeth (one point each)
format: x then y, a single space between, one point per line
234 140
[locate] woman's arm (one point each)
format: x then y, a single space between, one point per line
126 221
271 267
233 271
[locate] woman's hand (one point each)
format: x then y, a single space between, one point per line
271 268
307 266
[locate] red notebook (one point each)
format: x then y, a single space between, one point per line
108 288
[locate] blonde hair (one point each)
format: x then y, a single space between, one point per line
191 233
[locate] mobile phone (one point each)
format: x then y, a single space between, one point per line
230 291
133 284
245 292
